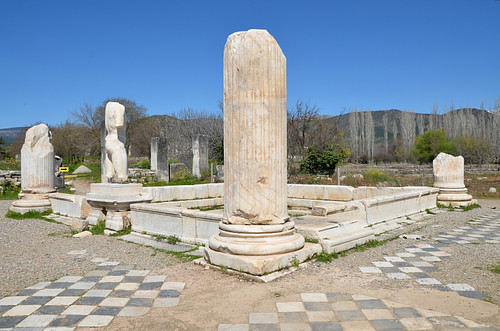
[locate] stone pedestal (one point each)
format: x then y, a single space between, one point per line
449 178
37 171
111 203
256 234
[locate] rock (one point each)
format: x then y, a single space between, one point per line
82 170
492 190
82 234
109 232
79 225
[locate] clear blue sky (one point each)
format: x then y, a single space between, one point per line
167 55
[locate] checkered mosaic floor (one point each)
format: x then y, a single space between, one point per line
414 263
89 301
486 229
416 260
336 311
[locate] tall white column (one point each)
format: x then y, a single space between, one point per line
255 221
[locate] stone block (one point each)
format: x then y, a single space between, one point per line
71 205
79 225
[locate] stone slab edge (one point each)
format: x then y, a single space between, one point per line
260 279
262 265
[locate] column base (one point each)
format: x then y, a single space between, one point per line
30 201
456 197
261 264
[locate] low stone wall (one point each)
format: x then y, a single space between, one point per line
398 205
70 205
185 192
166 219
13 176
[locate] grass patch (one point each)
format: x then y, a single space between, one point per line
311 240
295 262
66 190
98 228
449 207
324 257
9 195
184 181
494 268
375 176
31 215
429 212
470 207
121 232
214 207
172 240
158 237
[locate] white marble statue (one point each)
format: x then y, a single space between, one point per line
37 160
116 154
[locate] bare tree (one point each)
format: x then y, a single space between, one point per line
300 120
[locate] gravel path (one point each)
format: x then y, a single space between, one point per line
468 263
36 250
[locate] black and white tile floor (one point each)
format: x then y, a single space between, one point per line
89 301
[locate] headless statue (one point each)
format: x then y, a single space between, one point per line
116 154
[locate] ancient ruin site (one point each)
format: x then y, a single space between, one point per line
263 216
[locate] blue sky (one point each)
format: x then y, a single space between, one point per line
167 55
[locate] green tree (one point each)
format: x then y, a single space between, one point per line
428 145
2 148
323 160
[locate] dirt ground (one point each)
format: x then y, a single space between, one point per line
212 297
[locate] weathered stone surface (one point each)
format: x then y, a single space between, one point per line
220 172
37 160
83 234
115 199
115 162
256 234
448 171
159 158
37 170
71 205
492 190
255 122
82 170
449 178
200 155
79 225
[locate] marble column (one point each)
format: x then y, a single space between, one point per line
255 222
449 178
37 170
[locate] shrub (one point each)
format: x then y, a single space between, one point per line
323 161
428 145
